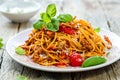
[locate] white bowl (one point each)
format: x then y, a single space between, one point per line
19 10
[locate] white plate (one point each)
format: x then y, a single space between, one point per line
22 36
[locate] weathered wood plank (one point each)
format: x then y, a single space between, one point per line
8 68
112 11
85 9
92 75
90 10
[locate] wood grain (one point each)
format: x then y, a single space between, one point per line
113 18
100 13
9 68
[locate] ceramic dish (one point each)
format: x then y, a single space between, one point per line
24 60
19 10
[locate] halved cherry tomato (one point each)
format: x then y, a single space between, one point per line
67 30
76 59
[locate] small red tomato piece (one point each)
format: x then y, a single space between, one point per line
76 59
67 30
60 64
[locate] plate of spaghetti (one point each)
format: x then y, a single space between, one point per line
72 46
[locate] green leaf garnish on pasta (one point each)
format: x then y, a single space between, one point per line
49 21
19 50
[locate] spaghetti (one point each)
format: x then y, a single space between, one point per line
51 48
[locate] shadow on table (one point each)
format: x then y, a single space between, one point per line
92 74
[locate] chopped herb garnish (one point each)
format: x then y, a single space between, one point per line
47 19
19 50
97 29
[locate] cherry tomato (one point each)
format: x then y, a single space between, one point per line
67 30
76 59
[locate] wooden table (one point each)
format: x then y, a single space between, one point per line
100 13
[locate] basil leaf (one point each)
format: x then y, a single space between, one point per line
45 17
19 50
51 10
1 45
65 17
93 61
39 24
97 29
22 78
53 25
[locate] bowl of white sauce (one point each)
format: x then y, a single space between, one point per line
19 10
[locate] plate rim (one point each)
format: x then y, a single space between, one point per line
45 68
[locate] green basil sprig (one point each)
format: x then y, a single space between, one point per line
53 25
65 17
47 19
39 24
51 10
